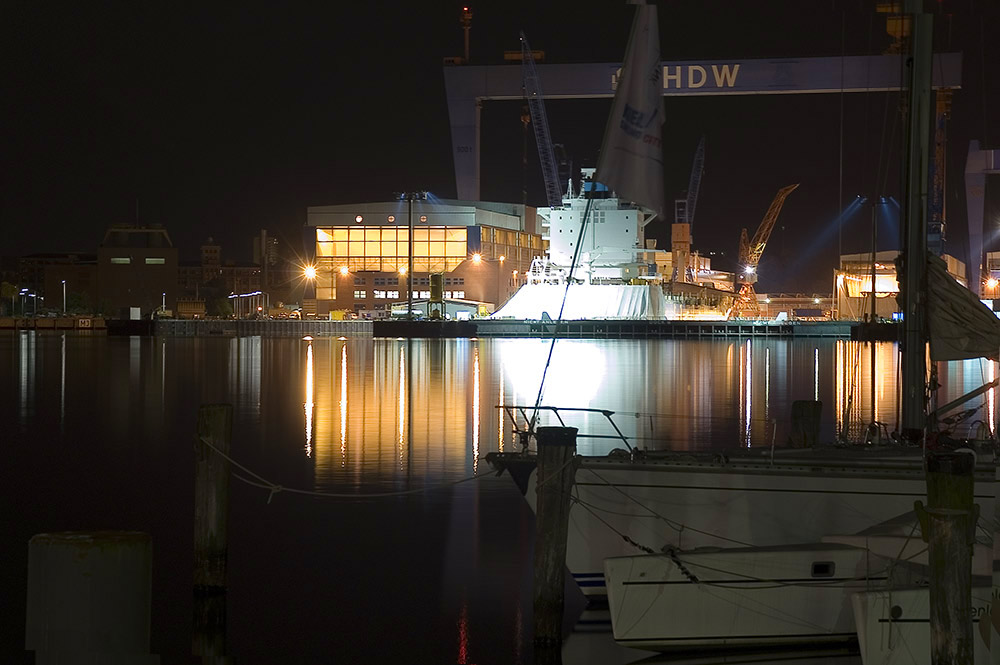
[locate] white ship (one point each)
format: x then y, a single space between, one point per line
618 273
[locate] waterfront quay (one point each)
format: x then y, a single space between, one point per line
583 329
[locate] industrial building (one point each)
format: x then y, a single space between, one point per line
853 285
363 252
136 267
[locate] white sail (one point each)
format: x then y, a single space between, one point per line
959 326
631 161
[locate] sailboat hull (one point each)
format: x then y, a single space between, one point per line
738 598
623 507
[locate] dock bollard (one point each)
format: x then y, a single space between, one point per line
89 598
555 476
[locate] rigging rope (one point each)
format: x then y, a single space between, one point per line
562 307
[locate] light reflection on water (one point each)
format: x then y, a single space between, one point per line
372 409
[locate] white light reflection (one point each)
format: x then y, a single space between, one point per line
475 413
308 405
343 405
747 391
816 374
26 369
767 384
575 375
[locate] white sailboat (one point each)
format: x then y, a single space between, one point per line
840 589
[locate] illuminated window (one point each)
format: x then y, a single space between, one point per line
378 294
121 260
459 294
423 294
155 261
360 294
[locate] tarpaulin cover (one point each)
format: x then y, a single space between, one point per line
585 301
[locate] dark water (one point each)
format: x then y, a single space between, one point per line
97 433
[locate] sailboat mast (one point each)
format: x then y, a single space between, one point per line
914 340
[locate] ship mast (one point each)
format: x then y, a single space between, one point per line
914 257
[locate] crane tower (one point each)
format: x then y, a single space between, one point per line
750 252
546 153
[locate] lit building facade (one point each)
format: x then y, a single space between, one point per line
852 285
362 252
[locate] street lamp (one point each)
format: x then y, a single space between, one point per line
64 297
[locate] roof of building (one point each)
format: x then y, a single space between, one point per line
449 212
136 236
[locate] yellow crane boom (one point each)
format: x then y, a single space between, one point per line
751 250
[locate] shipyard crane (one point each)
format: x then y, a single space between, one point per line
680 233
684 208
546 154
751 250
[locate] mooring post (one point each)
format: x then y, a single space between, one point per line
948 524
211 515
806 417
556 473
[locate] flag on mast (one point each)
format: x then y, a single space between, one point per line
631 161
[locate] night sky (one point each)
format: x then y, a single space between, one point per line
224 119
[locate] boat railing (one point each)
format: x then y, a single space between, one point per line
526 432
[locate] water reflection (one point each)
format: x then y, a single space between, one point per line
245 372
309 404
746 389
500 413
26 374
475 413
62 383
374 409
343 405
426 400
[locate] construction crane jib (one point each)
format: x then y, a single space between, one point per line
546 154
750 252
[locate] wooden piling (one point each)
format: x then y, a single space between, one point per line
806 417
555 477
211 515
948 524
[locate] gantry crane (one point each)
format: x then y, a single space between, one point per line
546 154
750 252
